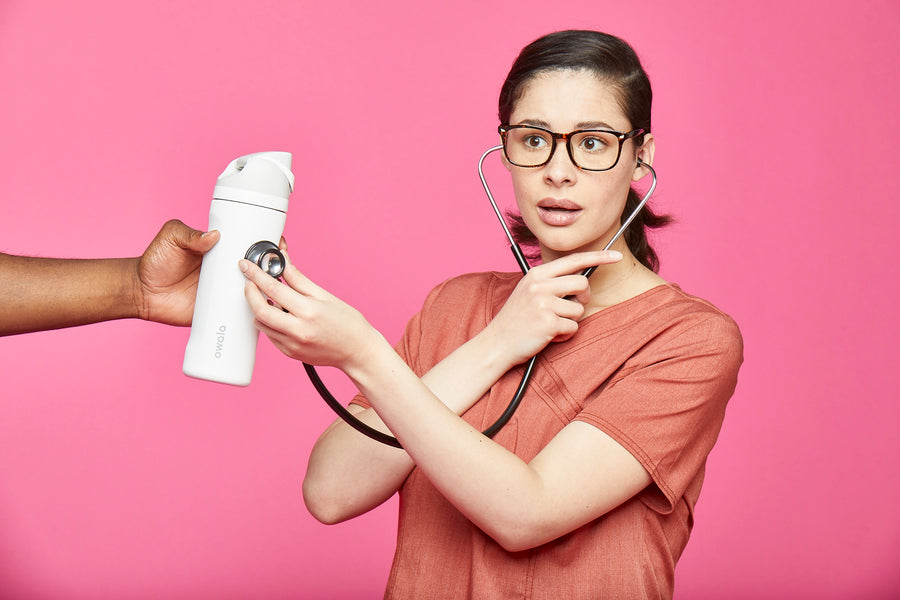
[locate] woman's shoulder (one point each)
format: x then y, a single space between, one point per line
677 312
665 312
696 306
471 296
475 285
484 278
457 308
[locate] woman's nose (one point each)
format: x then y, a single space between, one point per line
560 169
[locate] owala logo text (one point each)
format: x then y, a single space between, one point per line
220 341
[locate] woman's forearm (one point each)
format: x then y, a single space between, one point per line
45 293
579 475
349 474
480 477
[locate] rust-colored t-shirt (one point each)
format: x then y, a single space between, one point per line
654 372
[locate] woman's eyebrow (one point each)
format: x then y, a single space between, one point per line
535 123
578 126
594 125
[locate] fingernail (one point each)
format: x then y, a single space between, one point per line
615 254
243 265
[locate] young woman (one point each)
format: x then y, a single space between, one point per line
589 491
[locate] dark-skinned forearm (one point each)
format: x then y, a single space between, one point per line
47 293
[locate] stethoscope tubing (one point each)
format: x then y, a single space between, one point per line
513 405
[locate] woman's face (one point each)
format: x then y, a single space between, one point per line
566 208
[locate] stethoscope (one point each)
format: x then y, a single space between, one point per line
384 438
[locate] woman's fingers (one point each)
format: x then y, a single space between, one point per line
579 261
282 341
266 313
314 326
563 275
266 284
300 282
284 295
573 287
271 301
551 298
568 308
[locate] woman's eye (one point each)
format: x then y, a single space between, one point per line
594 144
534 141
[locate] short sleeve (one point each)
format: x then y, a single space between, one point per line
408 346
667 407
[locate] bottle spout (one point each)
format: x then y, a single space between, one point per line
281 160
262 178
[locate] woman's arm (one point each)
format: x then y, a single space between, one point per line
47 293
349 473
580 475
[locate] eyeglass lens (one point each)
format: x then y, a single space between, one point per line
531 147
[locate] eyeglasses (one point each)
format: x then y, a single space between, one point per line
589 149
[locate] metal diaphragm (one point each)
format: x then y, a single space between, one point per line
268 257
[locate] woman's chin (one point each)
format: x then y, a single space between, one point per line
561 247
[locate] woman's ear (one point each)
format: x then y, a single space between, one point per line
645 156
506 163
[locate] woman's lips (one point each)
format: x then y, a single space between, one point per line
558 212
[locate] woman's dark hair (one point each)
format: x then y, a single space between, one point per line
614 61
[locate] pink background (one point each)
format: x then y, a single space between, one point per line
776 126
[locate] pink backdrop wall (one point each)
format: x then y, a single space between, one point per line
776 126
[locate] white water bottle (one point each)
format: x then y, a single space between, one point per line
249 208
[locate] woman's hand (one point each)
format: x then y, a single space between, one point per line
305 322
546 304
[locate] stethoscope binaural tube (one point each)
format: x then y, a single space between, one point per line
384 438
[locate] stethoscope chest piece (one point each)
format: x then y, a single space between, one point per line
268 257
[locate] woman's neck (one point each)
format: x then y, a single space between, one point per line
617 282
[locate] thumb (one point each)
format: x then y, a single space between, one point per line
204 241
182 236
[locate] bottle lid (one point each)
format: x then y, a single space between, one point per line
262 179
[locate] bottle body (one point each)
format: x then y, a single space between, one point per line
222 344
